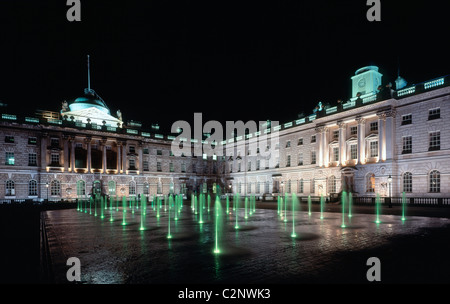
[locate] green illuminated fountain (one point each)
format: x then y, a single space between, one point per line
228 205
350 203
294 202
90 204
245 204
322 203
343 199
169 236
95 206
209 201
377 208
124 210
286 196
403 206
218 224
309 205
158 207
143 212
236 212
200 208
102 202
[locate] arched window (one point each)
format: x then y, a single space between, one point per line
435 181
370 182
132 186
332 184
146 188
112 187
300 186
32 188
407 182
55 188
10 188
81 188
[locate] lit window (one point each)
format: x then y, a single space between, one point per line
353 130
336 154
435 181
332 184
374 126
9 158
353 151
9 139
370 182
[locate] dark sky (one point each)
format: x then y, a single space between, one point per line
161 61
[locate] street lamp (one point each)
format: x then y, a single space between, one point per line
46 185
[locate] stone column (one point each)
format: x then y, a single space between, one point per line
342 144
124 156
381 138
103 142
325 147
140 162
390 135
66 153
44 143
319 133
72 153
119 157
361 140
89 156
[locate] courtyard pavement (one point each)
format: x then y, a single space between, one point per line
261 251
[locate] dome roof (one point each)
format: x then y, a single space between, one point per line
88 100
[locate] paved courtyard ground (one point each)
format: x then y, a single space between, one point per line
260 251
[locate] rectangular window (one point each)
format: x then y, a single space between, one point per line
9 139
373 149
406 119
300 159
145 165
55 159
300 142
239 167
249 167
158 152
131 149
313 139
194 168
288 144
205 156
9 158
374 126
32 159
32 140
353 131
258 163
54 142
32 188
353 151
407 144
435 141
145 151
434 113
132 164
336 135
313 157
171 169
183 167
158 166
336 154
288 162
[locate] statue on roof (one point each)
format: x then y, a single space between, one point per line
64 106
119 114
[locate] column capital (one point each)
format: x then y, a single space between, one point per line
321 129
103 141
341 124
360 120
88 139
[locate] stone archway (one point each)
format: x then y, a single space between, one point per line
347 179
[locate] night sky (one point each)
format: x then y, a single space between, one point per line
161 61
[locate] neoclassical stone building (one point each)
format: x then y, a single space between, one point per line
384 142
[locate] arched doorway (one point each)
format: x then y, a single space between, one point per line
97 188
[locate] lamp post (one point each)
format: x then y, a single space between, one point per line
389 189
46 185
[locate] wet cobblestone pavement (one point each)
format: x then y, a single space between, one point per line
260 251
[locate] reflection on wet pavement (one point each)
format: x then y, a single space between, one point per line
260 251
